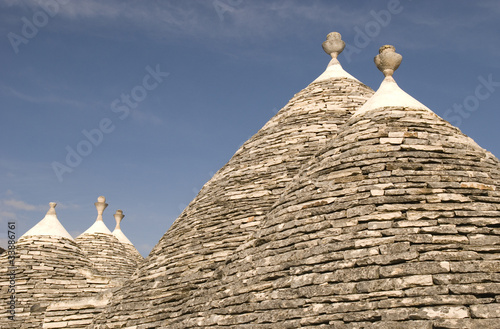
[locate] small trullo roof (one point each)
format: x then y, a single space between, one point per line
49 267
107 253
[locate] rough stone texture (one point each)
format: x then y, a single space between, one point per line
134 254
59 285
231 205
48 269
395 224
391 220
108 255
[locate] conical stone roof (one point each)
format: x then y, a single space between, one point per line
394 225
127 244
232 204
48 267
104 250
49 225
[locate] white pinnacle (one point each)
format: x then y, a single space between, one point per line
118 231
99 226
333 46
49 225
389 93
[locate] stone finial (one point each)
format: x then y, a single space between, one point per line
388 60
100 206
118 217
334 44
52 209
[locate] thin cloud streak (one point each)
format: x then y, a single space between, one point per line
202 19
22 205
51 99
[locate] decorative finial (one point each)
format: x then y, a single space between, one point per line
118 217
100 206
388 60
52 209
334 44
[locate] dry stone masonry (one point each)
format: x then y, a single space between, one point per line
107 253
396 224
348 209
57 285
129 247
233 203
389 220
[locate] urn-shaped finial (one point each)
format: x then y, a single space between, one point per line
334 44
388 60
118 217
100 206
52 209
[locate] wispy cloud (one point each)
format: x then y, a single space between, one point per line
49 99
143 117
22 205
7 215
201 18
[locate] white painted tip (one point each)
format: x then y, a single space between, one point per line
49 225
390 94
118 233
334 70
99 226
333 46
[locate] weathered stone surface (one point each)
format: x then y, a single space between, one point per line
405 251
388 218
234 202
51 269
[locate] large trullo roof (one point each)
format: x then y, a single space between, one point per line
49 267
394 225
233 203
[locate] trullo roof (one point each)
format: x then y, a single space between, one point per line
231 206
392 225
127 244
47 267
107 253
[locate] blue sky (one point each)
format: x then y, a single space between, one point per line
143 101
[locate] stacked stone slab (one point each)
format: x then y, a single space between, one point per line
113 260
50 267
232 204
396 224
108 255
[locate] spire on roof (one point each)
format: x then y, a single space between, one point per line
389 93
388 60
49 225
99 226
118 231
333 46
118 217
